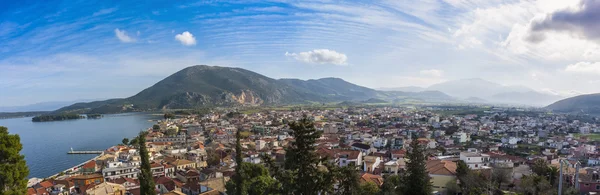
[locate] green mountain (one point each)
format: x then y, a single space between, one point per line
586 104
332 88
201 86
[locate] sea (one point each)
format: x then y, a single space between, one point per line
45 144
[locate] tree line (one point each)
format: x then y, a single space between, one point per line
56 117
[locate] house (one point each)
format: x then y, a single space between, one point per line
81 181
60 189
128 183
260 144
398 143
165 184
157 169
117 170
589 182
371 163
380 142
350 157
461 137
366 149
475 160
105 188
429 144
394 166
441 172
194 188
367 177
89 167
397 154
180 164
188 175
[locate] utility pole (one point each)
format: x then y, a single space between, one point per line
560 180
577 175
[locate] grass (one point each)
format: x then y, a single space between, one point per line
591 136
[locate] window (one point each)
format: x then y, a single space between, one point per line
597 187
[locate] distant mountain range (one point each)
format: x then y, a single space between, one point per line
201 85
478 90
42 106
584 104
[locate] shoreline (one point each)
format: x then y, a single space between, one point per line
34 180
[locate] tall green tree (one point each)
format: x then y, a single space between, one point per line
501 175
125 141
416 179
392 185
145 177
368 188
349 180
238 187
13 169
253 179
462 169
301 160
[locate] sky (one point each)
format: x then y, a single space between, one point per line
67 50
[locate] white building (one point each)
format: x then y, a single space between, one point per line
260 144
461 137
371 163
351 157
115 170
475 160
380 142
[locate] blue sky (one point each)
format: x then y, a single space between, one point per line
66 50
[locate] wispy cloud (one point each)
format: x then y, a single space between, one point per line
584 68
123 37
432 72
104 11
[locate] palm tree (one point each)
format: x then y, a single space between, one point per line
552 175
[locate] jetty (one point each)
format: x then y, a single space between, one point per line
85 151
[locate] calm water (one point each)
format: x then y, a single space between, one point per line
45 144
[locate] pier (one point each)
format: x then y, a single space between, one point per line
85 151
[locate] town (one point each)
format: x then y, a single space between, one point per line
506 150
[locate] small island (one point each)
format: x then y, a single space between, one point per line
94 116
56 117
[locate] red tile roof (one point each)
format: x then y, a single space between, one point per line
89 165
367 177
441 167
31 191
46 184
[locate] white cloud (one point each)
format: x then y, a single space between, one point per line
432 72
122 35
186 38
584 68
320 56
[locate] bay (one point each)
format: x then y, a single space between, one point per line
45 144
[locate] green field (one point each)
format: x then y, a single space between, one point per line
591 136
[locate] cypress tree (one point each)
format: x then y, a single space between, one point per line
301 160
238 161
416 179
13 169
146 180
